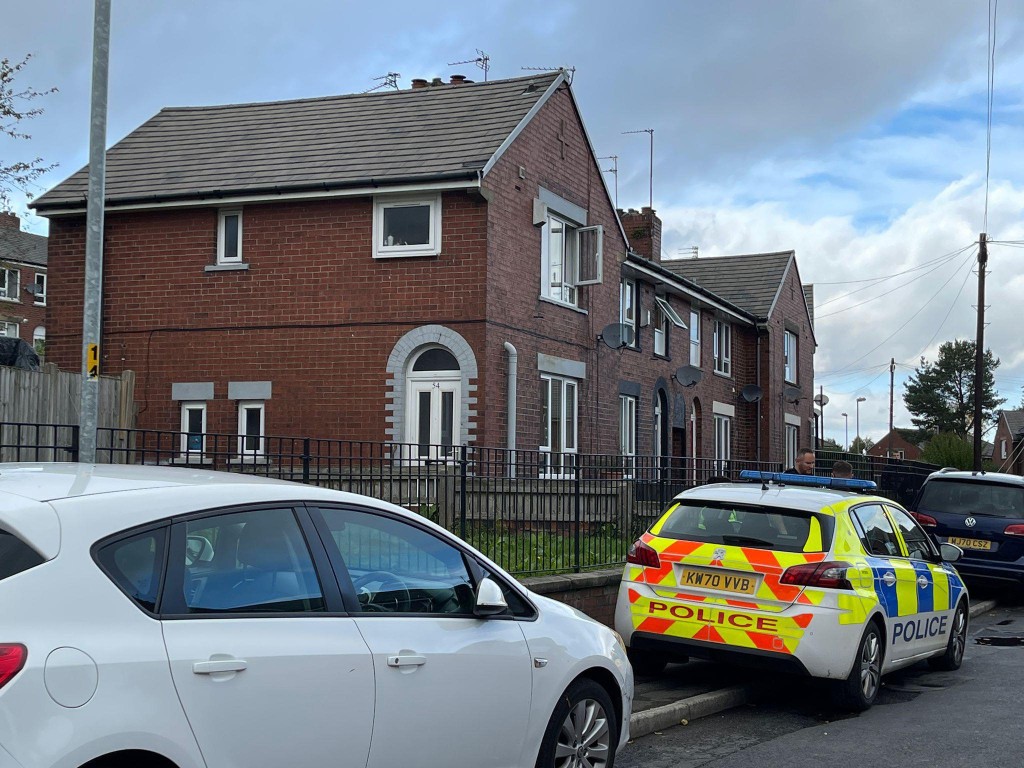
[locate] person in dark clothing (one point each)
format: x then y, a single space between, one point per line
843 469
804 463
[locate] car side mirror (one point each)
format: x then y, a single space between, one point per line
950 552
490 600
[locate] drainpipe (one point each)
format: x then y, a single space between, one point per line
513 372
757 429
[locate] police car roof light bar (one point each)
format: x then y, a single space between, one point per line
808 481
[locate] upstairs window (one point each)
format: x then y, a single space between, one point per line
229 237
40 292
789 350
628 307
723 348
9 280
695 338
664 315
570 258
10 330
406 226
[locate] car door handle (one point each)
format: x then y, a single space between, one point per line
922 582
406 661
221 665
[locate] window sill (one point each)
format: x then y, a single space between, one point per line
418 254
557 303
241 267
9 300
723 375
658 356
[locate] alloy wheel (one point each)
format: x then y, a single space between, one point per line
584 740
870 666
959 639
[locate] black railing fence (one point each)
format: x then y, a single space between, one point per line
531 511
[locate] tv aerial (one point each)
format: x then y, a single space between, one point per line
390 80
482 60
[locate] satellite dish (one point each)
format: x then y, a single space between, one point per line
821 399
791 394
617 335
687 375
752 393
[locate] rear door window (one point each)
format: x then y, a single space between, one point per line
15 555
919 546
877 532
135 564
774 528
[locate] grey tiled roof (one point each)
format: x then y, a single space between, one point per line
750 281
445 131
1015 421
23 247
809 298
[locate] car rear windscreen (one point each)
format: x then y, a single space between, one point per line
774 528
966 497
15 555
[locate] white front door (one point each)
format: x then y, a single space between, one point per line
433 424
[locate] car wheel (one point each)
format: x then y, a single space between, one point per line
647 663
857 692
582 732
953 656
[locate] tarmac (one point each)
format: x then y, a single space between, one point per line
686 692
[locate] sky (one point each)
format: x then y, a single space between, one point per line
853 132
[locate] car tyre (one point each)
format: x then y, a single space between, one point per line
953 656
647 663
582 729
858 691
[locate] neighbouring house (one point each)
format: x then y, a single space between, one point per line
1008 452
22 283
900 443
435 266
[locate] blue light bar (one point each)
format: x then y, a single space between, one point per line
809 481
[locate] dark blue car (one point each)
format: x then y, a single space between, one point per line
983 514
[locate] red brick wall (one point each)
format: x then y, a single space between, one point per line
314 313
1014 461
910 451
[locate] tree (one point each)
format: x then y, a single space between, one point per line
949 450
828 444
15 108
940 397
861 445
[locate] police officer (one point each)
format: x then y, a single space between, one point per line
804 463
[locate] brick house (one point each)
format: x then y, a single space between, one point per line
22 283
897 444
409 266
1008 452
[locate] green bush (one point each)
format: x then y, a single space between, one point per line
948 450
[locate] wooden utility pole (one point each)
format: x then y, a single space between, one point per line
892 383
979 352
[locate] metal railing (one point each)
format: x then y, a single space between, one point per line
530 511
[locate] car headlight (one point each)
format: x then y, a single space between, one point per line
621 642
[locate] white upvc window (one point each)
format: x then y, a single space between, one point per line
789 356
406 226
723 348
628 306
39 340
695 338
193 427
10 330
723 442
570 257
9 282
792 439
559 419
229 236
627 433
1002 448
251 422
40 295
660 332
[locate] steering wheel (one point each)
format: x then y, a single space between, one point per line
391 594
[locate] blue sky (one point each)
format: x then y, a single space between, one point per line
852 132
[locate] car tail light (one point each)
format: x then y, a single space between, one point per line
831 574
641 554
12 659
926 521
1014 530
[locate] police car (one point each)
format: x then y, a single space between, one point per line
802 574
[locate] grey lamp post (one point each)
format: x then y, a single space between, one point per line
859 401
846 422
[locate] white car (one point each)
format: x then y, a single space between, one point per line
167 617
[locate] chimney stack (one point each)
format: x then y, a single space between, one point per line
10 220
419 82
643 230
458 79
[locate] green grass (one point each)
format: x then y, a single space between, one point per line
540 553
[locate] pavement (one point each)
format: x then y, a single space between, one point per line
685 692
